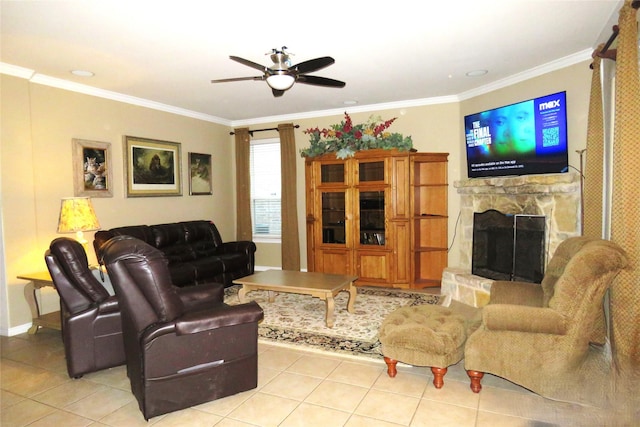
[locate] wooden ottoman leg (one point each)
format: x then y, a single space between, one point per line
438 376
391 366
476 377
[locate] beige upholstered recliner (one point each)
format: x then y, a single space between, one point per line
539 336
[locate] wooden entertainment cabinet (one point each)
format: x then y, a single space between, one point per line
380 215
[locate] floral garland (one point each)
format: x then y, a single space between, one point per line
345 138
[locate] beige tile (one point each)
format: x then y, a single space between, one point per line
363 375
490 419
341 396
225 405
265 375
360 421
24 413
188 417
128 415
27 381
403 383
521 405
315 416
113 377
101 403
291 386
277 358
264 410
228 422
8 399
62 418
42 355
67 393
432 413
10 344
453 392
390 407
315 366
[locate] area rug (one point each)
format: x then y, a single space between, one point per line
299 320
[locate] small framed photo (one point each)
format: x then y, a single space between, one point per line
152 167
200 174
92 168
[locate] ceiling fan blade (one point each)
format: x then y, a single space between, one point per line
249 63
237 79
320 81
313 64
277 93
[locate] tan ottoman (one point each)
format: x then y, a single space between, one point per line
424 335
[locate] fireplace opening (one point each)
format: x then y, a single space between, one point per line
508 247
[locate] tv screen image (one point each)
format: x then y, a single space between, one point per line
528 137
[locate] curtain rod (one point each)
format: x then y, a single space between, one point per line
262 130
634 4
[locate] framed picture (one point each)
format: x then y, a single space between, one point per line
92 168
200 175
152 167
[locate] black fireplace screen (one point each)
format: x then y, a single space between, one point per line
508 247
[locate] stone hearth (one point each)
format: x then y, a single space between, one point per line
556 196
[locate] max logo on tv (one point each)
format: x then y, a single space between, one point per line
549 105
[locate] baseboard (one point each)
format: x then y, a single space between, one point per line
16 330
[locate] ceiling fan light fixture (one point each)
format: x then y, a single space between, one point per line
280 81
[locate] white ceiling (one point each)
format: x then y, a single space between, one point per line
387 52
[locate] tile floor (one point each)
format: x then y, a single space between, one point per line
295 388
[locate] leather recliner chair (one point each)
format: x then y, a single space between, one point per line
90 317
181 350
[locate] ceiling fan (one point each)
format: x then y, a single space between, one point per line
282 75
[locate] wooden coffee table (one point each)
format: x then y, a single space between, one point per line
319 285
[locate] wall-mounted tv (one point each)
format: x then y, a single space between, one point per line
529 137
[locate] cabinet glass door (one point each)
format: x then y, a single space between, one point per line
371 171
333 217
372 224
332 172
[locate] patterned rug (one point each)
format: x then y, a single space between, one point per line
299 320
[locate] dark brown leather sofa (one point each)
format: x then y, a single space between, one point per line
194 249
91 325
180 351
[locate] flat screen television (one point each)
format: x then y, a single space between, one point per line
529 137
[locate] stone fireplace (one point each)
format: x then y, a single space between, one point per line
554 196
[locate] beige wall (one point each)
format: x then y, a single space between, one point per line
38 123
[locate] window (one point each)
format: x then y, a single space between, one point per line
265 189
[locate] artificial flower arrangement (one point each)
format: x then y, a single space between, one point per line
345 138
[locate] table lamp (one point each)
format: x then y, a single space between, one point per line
76 216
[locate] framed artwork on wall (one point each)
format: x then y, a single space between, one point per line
152 167
200 175
92 168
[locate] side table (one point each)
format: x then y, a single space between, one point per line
37 281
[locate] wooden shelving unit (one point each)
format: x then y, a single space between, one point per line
381 215
429 189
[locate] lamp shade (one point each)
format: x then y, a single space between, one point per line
280 81
77 214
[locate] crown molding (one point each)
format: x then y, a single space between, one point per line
529 74
34 77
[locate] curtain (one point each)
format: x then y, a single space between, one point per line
593 175
243 185
289 208
593 171
625 226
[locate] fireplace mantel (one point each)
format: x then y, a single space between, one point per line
556 196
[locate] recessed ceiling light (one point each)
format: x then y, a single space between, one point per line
350 102
476 73
82 73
